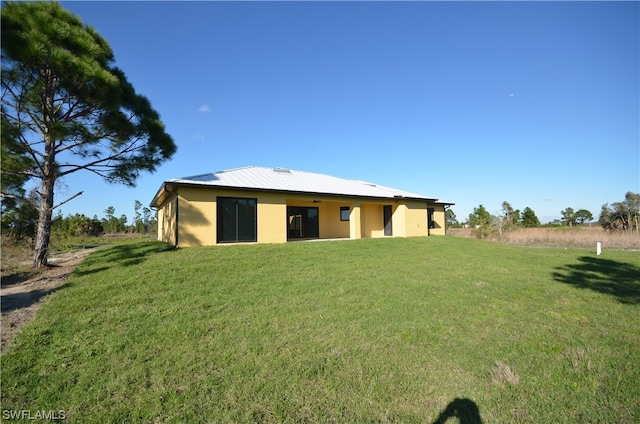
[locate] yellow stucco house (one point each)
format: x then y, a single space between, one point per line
276 205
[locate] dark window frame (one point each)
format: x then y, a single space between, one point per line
235 209
343 209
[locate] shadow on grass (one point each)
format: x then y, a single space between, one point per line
120 256
465 410
618 279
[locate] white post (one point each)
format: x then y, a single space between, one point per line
598 248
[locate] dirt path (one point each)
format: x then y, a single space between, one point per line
22 294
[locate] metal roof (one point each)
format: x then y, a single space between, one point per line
288 180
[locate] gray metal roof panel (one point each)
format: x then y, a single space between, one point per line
282 179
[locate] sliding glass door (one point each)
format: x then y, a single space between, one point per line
302 222
237 219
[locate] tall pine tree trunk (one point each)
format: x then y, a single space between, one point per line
45 209
43 228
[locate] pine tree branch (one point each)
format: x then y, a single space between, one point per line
11 196
30 174
23 108
29 200
68 200
103 162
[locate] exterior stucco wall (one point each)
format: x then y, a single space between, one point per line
198 216
167 221
192 215
330 224
399 221
415 219
272 217
372 220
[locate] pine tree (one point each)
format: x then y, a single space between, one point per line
69 109
529 218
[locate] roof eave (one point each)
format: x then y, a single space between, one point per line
154 202
274 190
161 194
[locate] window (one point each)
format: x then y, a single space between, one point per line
344 213
237 219
387 212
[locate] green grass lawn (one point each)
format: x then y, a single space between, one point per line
376 330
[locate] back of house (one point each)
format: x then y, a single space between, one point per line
277 205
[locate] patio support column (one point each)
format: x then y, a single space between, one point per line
355 229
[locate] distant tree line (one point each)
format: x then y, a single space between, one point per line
623 215
487 223
19 222
619 216
18 219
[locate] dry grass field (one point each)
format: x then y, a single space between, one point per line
576 237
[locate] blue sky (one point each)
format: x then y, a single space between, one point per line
536 103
